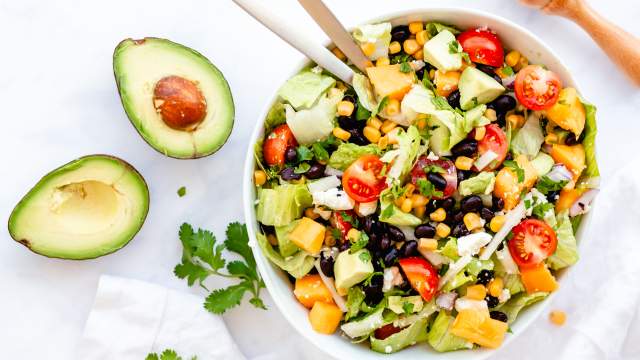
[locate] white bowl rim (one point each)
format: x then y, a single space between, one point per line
263 264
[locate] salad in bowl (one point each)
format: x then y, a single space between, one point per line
430 201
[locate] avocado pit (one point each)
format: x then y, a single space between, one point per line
179 102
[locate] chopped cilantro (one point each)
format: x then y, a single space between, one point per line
545 185
302 168
427 189
304 153
383 103
515 167
360 244
540 210
361 112
407 307
405 67
168 354
320 152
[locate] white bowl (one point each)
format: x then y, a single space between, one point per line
513 37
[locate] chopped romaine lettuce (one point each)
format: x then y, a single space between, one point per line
475 266
434 28
282 204
513 307
297 265
450 249
417 101
459 280
589 142
304 89
408 151
391 214
543 163
441 339
316 123
378 34
480 184
276 116
529 138
368 324
512 283
355 297
347 153
567 251
286 247
415 333
364 90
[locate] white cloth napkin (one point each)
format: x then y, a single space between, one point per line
132 318
601 293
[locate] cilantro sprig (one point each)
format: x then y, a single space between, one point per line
202 257
168 354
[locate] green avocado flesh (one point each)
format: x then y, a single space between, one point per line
87 208
138 65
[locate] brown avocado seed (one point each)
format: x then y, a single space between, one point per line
179 102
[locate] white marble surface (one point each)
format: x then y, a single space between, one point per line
58 101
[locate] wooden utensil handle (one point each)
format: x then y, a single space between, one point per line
621 47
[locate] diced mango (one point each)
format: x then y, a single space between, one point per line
325 317
446 82
566 199
389 81
571 156
310 289
568 112
308 235
507 186
478 327
538 279
476 292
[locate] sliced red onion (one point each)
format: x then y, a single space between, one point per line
332 288
583 204
512 218
329 171
508 81
485 160
559 173
446 300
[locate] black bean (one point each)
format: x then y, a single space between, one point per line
454 99
437 180
460 230
350 98
289 174
391 256
326 264
395 234
373 290
500 246
492 301
420 73
459 216
484 277
486 214
291 155
349 123
369 224
499 315
461 175
357 137
465 148
447 203
385 242
400 33
552 196
409 248
427 231
497 204
316 171
472 203
487 69
454 218
502 104
571 140
344 246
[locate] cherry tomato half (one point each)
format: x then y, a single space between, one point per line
276 145
422 276
362 180
450 174
483 46
340 222
532 242
494 140
537 88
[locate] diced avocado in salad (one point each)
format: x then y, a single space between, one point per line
431 201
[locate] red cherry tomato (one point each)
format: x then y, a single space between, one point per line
422 276
450 174
362 180
532 242
276 144
483 46
340 222
537 88
386 331
494 140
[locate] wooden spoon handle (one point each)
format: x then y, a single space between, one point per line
622 47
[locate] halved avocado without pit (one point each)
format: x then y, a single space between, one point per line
177 100
87 208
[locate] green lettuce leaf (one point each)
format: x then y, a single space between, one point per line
567 251
316 123
480 184
408 151
589 142
391 214
514 305
459 280
297 265
529 138
441 339
364 90
347 153
282 204
434 28
355 297
378 34
450 249
304 89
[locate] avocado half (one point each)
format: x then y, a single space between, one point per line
87 208
177 100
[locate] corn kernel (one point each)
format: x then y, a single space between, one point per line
368 48
476 292
394 47
383 142
418 55
339 54
409 189
419 200
308 212
512 58
353 235
329 240
522 62
464 163
393 107
439 215
481 131
495 287
443 230
387 126
425 244
374 122
345 108
259 177
383 61
419 211
341 134
558 317
407 205
472 221
496 223
491 115
515 120
551 139
399 200
422 37
415 27
372 134
410 46
272 239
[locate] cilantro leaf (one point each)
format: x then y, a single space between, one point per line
427 188
320 152
302 168
407 307
365 256
540 210
405 67
545 185
361 112
182 191
167 354
223 299
515 167
359 244
304 153
238 242
383 103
